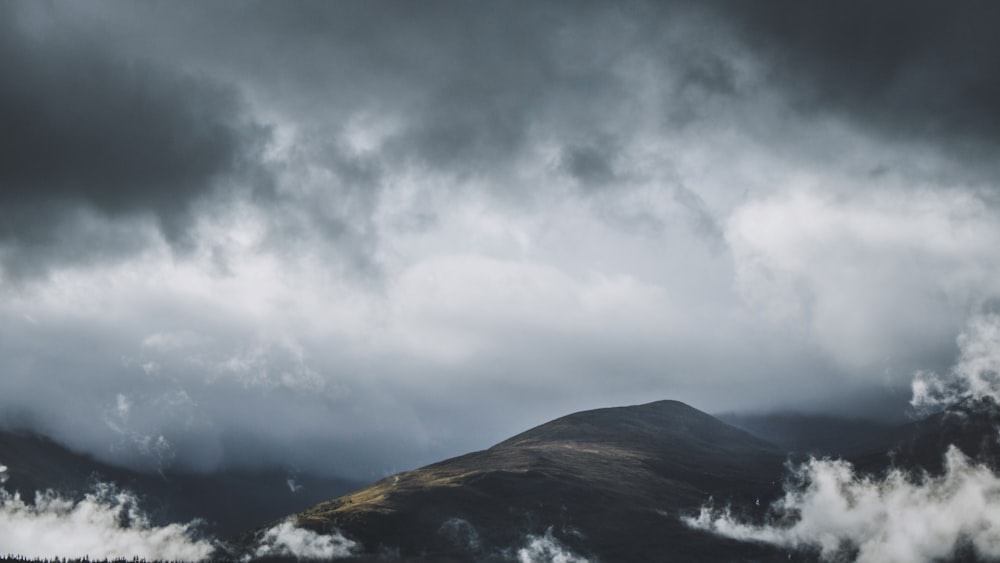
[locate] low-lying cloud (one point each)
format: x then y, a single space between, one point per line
975 376
288 540
902 516
105 524
547 549
898 518
109 523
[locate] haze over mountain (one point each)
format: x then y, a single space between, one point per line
354 238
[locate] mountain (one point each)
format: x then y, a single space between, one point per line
818 435
228 501
874 446
970 425
608 483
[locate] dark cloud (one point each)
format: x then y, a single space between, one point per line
704 223
924 71
468 88
88 127
588 165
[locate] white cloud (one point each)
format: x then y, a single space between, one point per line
455 308
288 540
897 519
870 275
976 375
902 516
547 549
106 523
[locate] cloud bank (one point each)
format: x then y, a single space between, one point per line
104 524
899 518
109 523
356 238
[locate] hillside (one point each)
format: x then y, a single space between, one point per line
609 483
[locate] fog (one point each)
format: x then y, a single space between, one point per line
287 540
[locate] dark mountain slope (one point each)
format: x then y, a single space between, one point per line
807 434
609 483
972 426
228 501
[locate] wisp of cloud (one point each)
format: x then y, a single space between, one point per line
546 549
288 540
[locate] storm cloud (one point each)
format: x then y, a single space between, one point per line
93 136
924 74
357 237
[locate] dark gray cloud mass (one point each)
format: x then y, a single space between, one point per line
357 236
88 127
919 71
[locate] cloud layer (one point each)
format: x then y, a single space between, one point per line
355 238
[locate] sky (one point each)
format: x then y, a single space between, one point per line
352 238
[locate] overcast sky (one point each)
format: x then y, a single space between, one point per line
356 237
